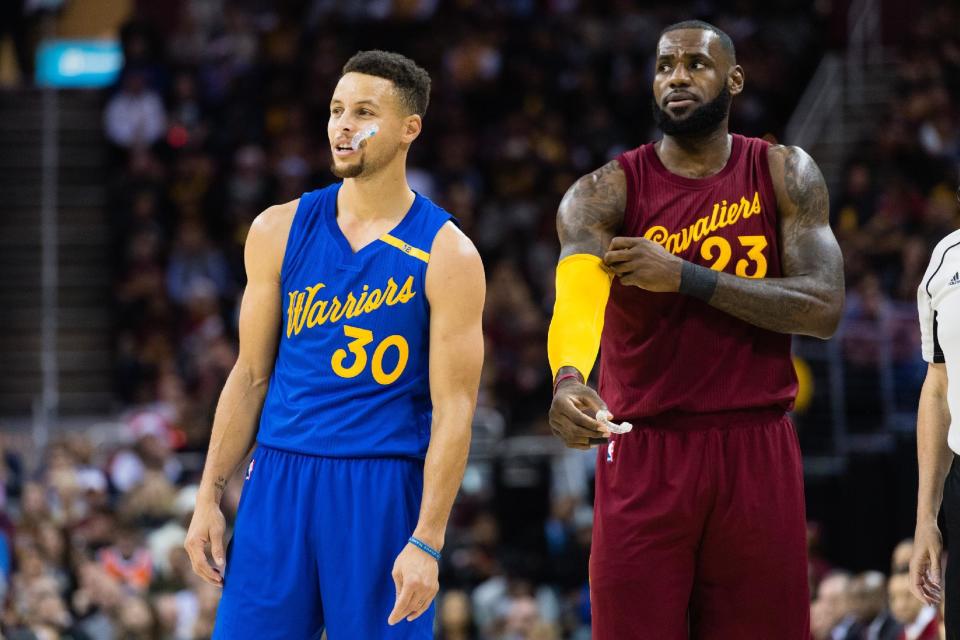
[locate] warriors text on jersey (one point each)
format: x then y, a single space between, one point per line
351 377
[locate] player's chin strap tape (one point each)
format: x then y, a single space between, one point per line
583 288
423 546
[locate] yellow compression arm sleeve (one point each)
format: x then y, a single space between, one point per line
583 288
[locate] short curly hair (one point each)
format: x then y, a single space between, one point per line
725 40
411 80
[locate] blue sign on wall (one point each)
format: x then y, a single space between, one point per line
78 63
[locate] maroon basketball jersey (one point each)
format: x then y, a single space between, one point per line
666 353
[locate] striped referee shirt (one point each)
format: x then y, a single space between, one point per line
938 303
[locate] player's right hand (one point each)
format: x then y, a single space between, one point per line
207 527
926 579
573 415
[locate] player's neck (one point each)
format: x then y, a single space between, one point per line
385 194
696 156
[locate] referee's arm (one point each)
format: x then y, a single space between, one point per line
455 288
933 454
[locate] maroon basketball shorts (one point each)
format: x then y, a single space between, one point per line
700 531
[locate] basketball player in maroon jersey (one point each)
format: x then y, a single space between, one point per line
689 262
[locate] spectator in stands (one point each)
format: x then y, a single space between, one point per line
868 596
96 600
454 619
833 609
128 561
523 621
900 559
135 116
820 620
920 621
46 616
526 104
136 620
819 568
196 267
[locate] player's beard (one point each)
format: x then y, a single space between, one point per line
347 171
703 120
362 168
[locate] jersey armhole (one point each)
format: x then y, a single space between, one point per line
767 190
295 238
422 279
631 171
766 179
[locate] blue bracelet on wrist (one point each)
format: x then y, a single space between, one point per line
423 546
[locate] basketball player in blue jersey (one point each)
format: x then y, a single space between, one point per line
360 356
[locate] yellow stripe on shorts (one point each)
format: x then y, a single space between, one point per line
406 248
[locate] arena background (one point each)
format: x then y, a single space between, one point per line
132 164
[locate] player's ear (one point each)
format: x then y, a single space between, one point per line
412 125
735 80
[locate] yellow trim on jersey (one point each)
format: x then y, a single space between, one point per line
406 248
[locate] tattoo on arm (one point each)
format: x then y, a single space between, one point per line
773 304
220 485
807 191
808 299
592 210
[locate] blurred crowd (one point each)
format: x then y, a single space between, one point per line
91 544
221 110
225 113
91 549
898 198
870 605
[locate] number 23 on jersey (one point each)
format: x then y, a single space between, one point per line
718 249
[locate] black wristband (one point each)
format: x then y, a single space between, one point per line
697 281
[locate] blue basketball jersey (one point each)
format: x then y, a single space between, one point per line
351 377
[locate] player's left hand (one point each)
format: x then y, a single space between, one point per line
417 578
639 262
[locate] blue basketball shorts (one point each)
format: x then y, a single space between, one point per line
314 546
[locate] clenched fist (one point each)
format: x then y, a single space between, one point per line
639 262
573 415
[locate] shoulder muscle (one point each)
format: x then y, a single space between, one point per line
267 240
799 185
592 210
455 271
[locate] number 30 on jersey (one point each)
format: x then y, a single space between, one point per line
357 347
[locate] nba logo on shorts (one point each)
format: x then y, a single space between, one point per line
610 450
250 469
